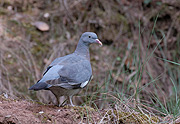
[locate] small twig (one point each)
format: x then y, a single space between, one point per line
123 61
69 14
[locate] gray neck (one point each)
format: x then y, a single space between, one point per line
83 50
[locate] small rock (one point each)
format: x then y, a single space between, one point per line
7 116
10 8
20 70
5 95
48 121
46 15
68 35
41 112
42 26
59 110
9 56
52 41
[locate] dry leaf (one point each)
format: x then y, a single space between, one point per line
120 79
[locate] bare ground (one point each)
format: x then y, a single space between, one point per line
28 112
18 111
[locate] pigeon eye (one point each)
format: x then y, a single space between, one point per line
89 36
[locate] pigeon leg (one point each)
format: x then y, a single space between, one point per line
70 99
58 103
63 103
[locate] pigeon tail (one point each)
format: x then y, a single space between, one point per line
39 86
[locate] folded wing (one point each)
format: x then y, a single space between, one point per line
66 75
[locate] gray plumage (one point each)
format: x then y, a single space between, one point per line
66 75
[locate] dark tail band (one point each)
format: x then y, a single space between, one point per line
39 86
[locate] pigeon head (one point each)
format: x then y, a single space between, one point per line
89 38
86 39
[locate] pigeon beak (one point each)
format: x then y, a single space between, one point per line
99 42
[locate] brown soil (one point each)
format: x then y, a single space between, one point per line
28 112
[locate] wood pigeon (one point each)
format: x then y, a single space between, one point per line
67 75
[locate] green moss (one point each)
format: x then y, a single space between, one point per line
125 117
3 11
134 117
36 36
32 31
99 12
119 18
44 117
